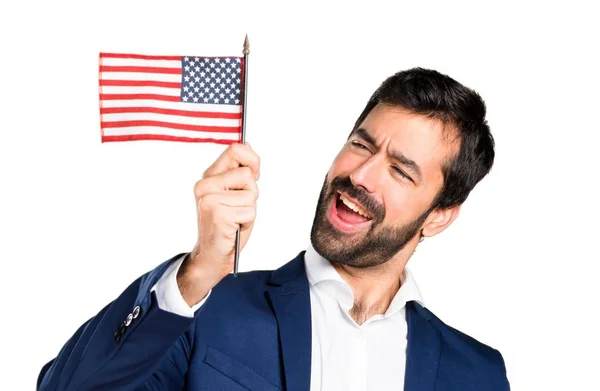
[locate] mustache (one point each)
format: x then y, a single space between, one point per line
344 184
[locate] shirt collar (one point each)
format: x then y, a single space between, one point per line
320 272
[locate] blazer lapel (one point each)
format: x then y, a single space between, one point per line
423 350
289 293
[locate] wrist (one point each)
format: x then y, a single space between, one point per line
194 281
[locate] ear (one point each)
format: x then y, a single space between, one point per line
438 220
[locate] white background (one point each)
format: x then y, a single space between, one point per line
80 220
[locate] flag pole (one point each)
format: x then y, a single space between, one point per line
243 140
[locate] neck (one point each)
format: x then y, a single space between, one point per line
374 288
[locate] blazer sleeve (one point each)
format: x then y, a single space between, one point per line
131 344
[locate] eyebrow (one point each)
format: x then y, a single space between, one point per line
405 161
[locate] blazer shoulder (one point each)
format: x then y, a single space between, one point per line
465 349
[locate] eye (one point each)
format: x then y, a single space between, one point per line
401 173
358 145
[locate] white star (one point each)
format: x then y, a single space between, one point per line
222 95
197 68
186 78
192 73
212 64
211 95
212 85
237 91
228 60
196 89
237 59
228 80
228 90
185 98
205 100
232 96
195 99
223 65
207 78
192 83
228 70
217 90
238 70
201 93
218 80
206 60
186 59
237 101
217 60
216 100
202 74
222 85
197 78
237 80
223 75
212 74
196 59
202 84
206 89
187 68
186 88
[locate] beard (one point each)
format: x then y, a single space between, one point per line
362 249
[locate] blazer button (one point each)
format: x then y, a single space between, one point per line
136 311
128 320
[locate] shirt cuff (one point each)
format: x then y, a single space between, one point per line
169 296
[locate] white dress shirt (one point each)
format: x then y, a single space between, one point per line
345 356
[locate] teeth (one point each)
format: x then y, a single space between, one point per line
354 207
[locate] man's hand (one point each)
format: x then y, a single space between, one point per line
225 200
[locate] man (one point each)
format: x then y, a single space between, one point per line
343 315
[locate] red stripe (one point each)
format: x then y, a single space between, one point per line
140 83
130 68
138 56
157 110
138 96
136 137
171 125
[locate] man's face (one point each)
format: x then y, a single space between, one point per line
377 194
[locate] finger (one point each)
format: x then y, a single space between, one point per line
240 178
236 155
245 216
229 199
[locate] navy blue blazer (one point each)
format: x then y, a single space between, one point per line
253 333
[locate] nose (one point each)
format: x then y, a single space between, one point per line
367 175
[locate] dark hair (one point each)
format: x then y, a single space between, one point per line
460 110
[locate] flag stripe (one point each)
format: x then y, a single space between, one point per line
138 69
170 118
139 96
140 130
118 90
140 76
142 63
201 128
183 113
173 105
137 137
140 83
138 56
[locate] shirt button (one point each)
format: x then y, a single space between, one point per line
128 320
136 311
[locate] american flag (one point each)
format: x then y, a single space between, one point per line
173 98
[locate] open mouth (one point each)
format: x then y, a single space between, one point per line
347 214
